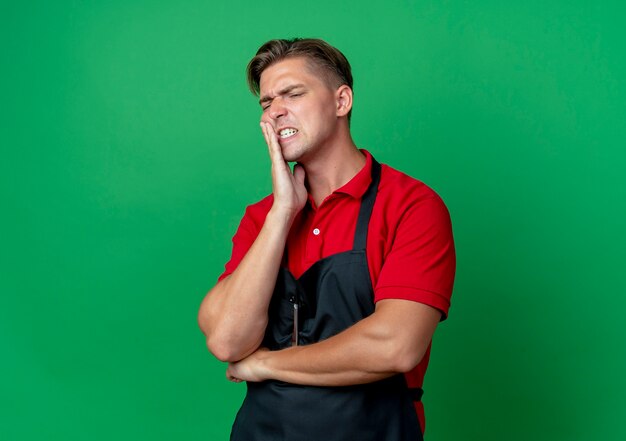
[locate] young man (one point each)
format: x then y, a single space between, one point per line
338 279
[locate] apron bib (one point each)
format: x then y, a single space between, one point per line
332 295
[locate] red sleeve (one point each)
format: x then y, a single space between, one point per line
421 263
246 234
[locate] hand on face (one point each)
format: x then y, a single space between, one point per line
289 191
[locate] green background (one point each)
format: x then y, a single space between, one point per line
131 146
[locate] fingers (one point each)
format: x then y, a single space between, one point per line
288 189
273 146
230 376
266 135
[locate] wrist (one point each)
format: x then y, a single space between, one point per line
281 216
264 369
277 365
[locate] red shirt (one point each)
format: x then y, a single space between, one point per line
410 248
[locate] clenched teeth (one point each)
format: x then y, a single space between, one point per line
286 133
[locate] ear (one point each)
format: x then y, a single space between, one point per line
343 97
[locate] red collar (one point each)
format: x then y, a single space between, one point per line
355 187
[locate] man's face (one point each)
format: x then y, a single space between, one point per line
300 106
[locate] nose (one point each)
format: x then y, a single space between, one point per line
277 108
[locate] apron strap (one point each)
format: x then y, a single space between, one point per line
367 204
416 393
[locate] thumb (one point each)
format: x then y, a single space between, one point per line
299 174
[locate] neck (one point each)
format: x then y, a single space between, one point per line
332 168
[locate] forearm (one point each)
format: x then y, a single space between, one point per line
233 315
358 355
393 339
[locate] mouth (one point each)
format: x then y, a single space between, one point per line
287 133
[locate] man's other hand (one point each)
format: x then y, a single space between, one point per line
249 369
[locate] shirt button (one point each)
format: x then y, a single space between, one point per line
316 231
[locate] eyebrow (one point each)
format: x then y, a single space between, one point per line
283 91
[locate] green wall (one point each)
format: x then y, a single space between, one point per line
130 147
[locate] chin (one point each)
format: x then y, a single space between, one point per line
294 153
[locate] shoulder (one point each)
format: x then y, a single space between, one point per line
414 242
399 193
249 227
256 213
